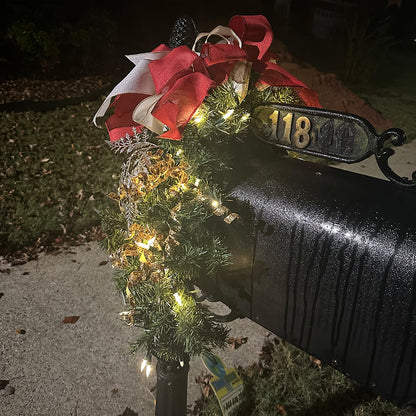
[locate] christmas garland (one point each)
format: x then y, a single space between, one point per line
178 117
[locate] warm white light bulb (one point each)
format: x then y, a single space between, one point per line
245 117
198 118
179 152
148 370
143 245
215 203
181 363
228 114
178 298
197 182
144 364
148 245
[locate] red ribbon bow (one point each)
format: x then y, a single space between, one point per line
184 78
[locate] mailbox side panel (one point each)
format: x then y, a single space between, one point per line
334 269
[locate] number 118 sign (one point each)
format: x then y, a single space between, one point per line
338 136
334 135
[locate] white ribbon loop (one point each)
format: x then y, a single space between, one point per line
138 81
142 114
223 32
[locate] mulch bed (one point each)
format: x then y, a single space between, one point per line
25 89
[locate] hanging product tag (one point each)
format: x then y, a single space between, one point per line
226 383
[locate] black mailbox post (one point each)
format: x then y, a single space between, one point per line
326 259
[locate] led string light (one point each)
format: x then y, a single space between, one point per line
178 299
228 114
146 366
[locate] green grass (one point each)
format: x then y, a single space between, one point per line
286 381
392 90
56 170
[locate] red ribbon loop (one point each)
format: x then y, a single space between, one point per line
255 32
177 106
180 62
220 59
120 123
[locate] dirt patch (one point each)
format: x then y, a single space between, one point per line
333 94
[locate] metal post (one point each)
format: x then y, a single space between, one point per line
171 388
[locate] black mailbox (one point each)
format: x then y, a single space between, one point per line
326 259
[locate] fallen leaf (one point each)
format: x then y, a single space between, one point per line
7 391
266 353
3 384
114 392
7 271
129 412
281 410
20 331
315 361
1 294
45 159
236 343
70 319
25 273
103 263
203 381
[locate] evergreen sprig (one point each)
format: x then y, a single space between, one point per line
180 213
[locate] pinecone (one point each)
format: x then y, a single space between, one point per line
183 33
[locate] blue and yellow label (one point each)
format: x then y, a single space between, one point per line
226 383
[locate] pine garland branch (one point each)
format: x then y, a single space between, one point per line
165 236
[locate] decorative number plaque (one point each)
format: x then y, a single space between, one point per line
334 135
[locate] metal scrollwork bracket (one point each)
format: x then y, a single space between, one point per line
328 134
383 154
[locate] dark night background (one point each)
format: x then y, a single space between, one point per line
58 39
